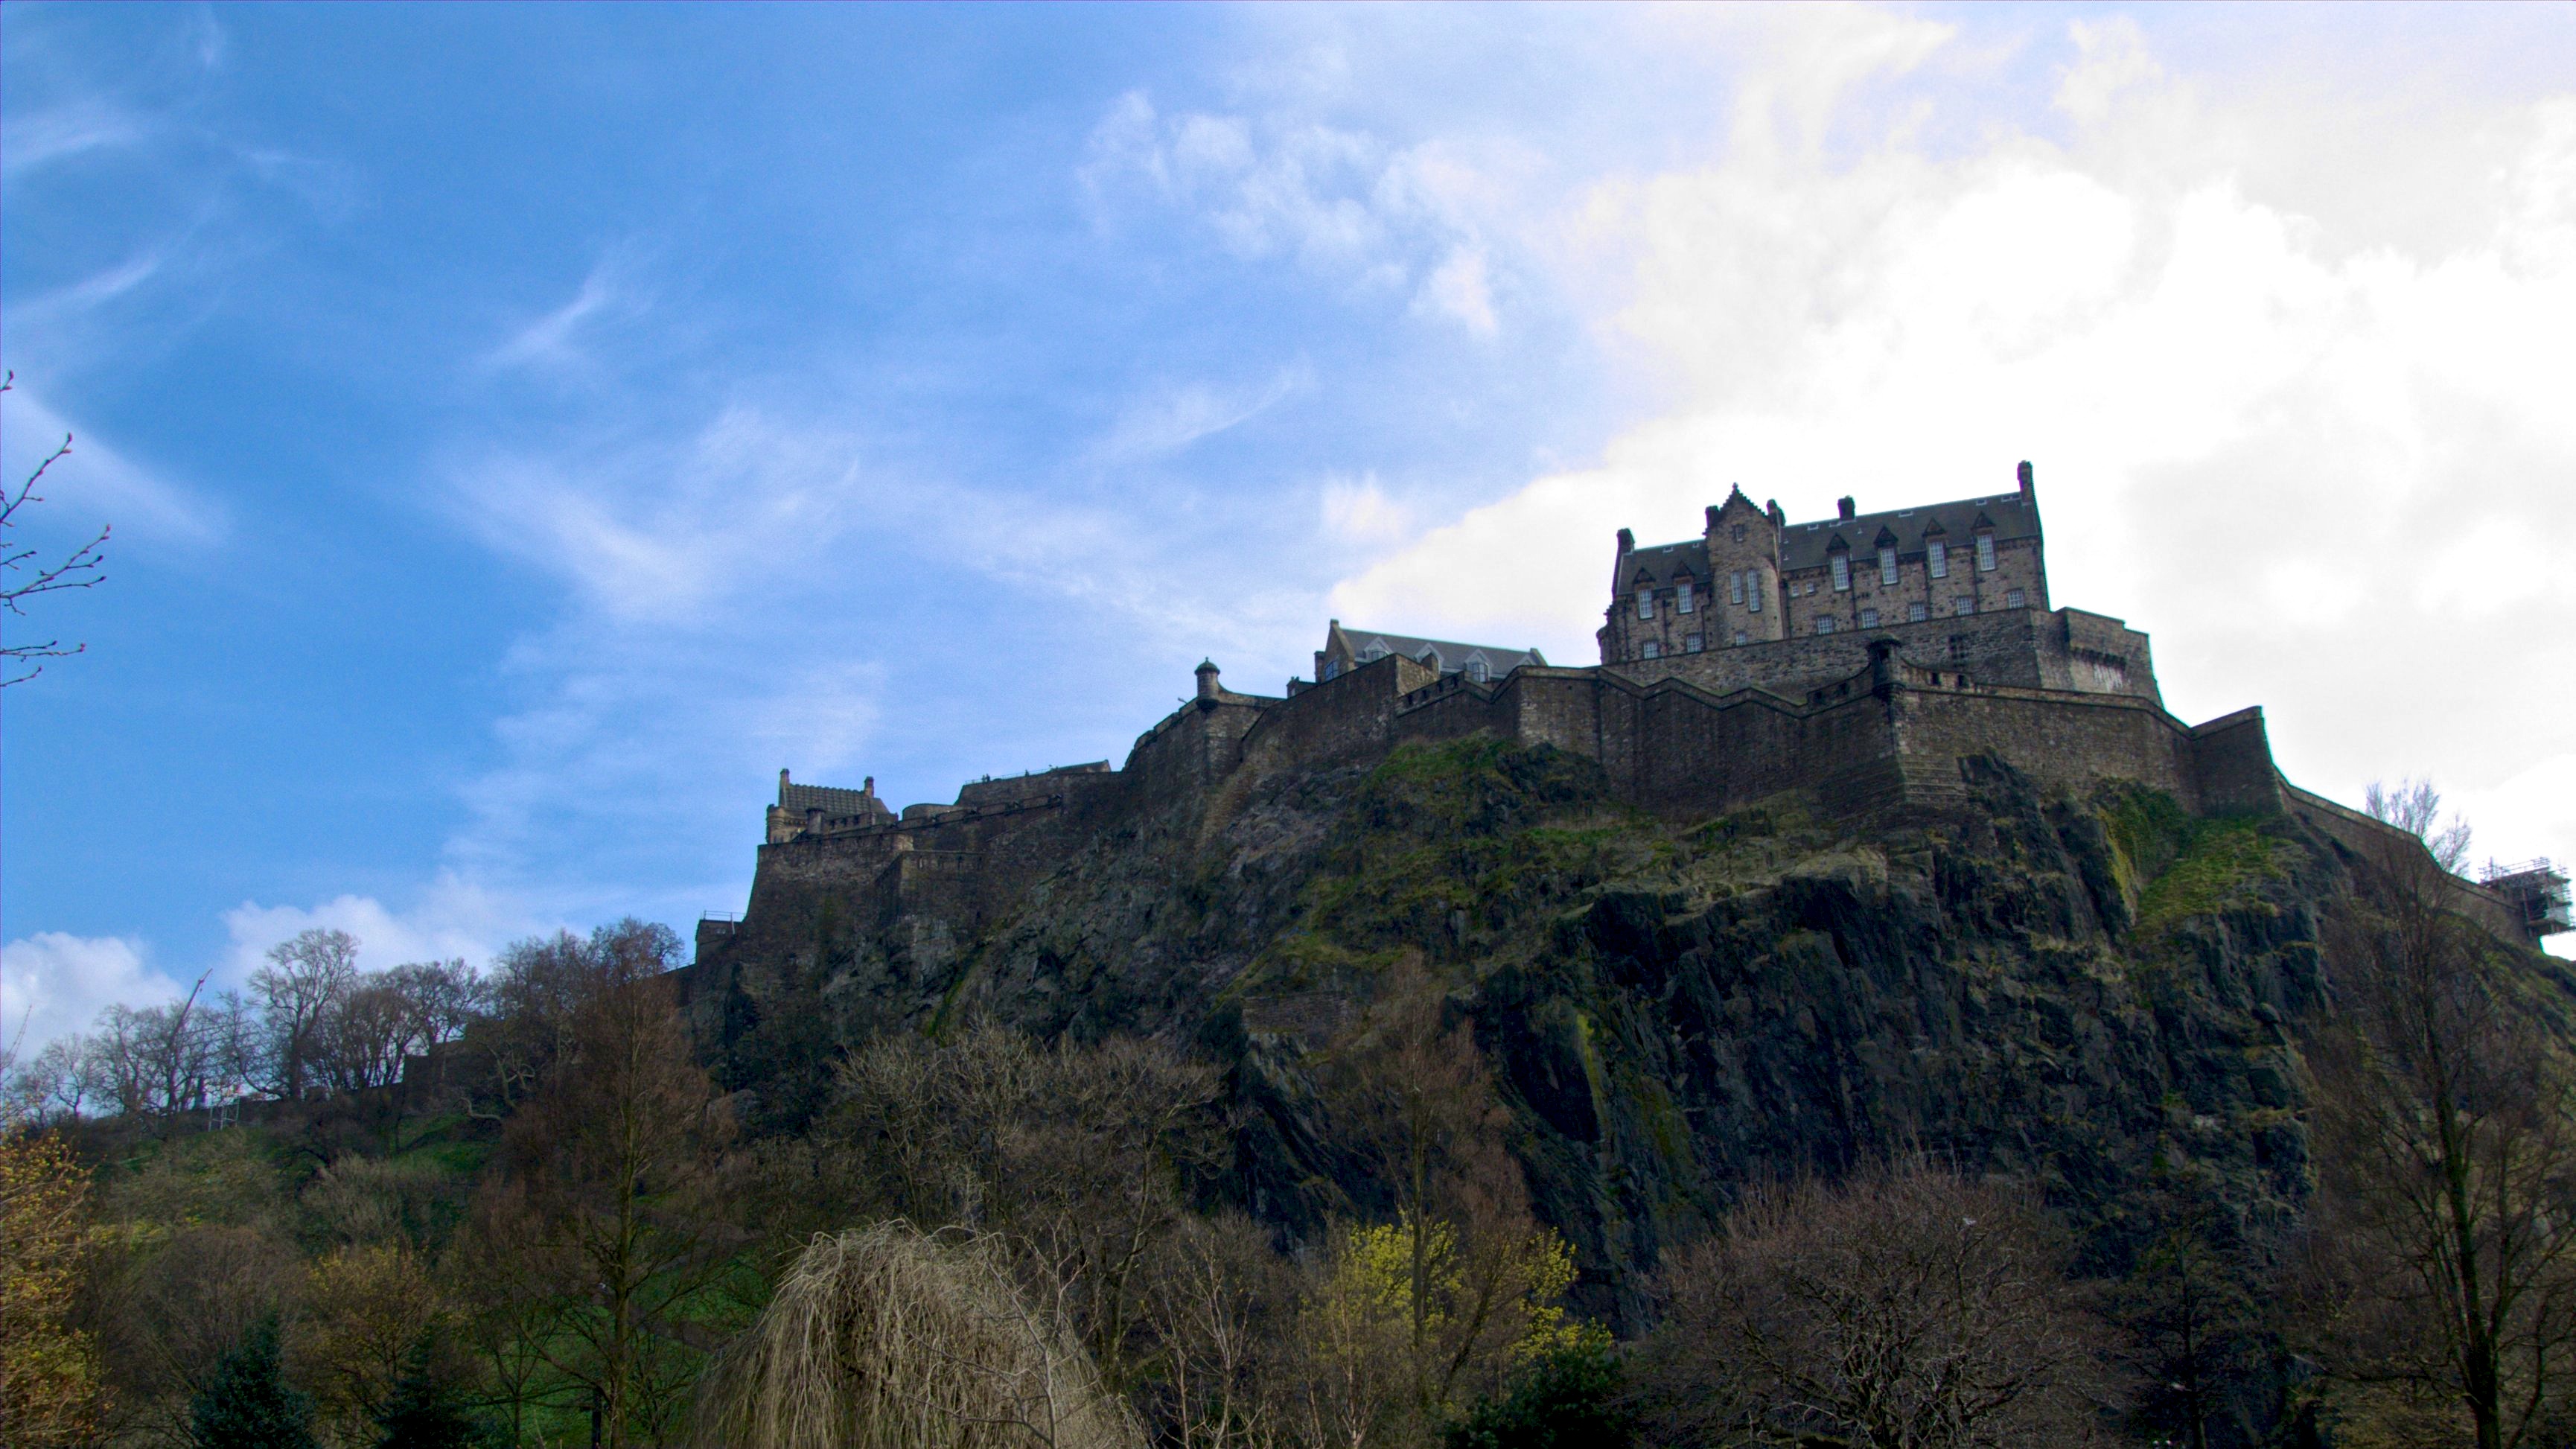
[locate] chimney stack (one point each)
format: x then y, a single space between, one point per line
1627 540
1843 509
2024 473
1712 516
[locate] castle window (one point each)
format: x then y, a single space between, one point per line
1963 606
1690 644
1739 636
1937 554
1753 590
1652 650
1332 669
1735 587
1985 553
1431 658
1917 613
1476 669
1645 603
1869 618
1842 572
1682 597
2012 598
1887 566
1824 623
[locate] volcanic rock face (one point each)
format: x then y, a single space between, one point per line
2096 993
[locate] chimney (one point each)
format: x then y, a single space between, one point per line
868 787
782 787
1771 507
1207 672
2024 474
1843 509
1712 516
1627 540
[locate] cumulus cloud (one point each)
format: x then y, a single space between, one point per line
2313 451
454 918
53 984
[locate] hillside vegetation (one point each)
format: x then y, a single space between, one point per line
1446 1100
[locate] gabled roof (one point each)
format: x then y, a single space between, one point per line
1454 654
1663 563
2010 515
1804 545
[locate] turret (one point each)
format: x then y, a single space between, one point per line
1207 673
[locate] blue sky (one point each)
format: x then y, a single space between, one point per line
528 428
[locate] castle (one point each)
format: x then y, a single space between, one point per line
1862 658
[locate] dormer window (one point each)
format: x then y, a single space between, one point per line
1431 660
1735 587
1842 573
1937 554
1645 603
1477 669
1985 553
1682 597
1886 564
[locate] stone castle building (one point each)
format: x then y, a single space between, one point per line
1865 660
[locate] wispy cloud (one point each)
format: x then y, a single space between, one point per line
1172 418
62 132
98 484
554 341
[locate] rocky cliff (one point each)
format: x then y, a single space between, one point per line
2097 991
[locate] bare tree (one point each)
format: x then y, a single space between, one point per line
612 1179
305 977
1220 1304
2443 1256
1909 1310
79 569
885 1338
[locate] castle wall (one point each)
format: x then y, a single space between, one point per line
2068 650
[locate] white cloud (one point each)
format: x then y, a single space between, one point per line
1458 290
454 918
551 340
53 984
1357 510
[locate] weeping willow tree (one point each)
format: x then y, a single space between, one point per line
888 1338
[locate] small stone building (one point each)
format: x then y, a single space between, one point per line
1347 649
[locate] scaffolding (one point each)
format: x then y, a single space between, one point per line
2535 888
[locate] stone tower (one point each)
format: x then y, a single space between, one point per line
1744 559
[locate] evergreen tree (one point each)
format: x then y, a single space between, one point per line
247 1403
424 1412
1568 1399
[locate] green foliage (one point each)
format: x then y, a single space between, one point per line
1566 1398
2176 866
247 1403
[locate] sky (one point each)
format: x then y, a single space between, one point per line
527 429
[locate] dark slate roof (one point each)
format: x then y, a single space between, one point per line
1453 654
829 799
1805 545
2011 515
1662 564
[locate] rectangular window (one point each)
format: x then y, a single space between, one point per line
1753 590
1690 644
1963 606
1985 553
1652 650
1645 603
1842 572
1735 587
2012 598
1739 636
1825 624
1887 566
1682 596
1917 613
1937 554
1869 618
